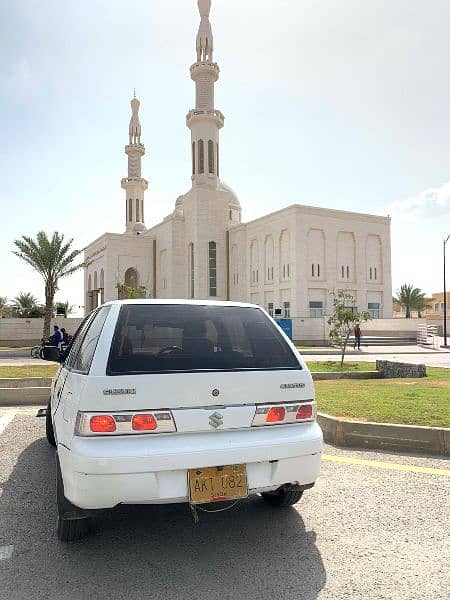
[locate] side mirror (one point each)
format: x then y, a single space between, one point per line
51 353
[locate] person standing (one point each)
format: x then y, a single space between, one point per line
65 335
57 337
357 332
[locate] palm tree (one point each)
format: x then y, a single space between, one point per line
410 298
53 259
24 303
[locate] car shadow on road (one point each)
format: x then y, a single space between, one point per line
252 551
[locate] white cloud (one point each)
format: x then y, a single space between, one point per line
432 203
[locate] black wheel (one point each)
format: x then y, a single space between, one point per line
49 426
72 530
72 522
284 496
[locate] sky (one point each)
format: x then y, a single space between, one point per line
341 104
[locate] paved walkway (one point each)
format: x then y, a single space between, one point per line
400 354
411 354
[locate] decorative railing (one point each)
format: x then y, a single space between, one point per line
196 112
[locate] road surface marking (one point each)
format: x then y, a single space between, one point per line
6 420
6 552
386 465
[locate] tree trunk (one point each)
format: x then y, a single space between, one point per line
344 347
49 295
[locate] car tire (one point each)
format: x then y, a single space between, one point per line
283 496
72 522
49 432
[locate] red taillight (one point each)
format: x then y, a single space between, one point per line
276 414
144 423
305 411
102 424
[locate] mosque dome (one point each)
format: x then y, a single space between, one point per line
233 199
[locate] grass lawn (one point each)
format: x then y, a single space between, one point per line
333 365
28 371
423 401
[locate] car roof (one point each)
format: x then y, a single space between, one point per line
151 301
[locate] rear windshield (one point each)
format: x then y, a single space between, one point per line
159 338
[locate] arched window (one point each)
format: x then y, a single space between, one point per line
269 253
285 254
217 159
191 271
89 283
131 278
193 158
254 262
163 268
142 210
211 157
137 210
102 286
201 156
130 210
312 270
370 273
95 281
212 268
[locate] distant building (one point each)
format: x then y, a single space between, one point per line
435 304
290 260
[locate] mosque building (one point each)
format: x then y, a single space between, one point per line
289 260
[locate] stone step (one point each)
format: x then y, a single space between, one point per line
24 396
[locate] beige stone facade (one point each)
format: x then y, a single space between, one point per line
288 261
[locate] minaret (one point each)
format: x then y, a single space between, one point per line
134 185
204 121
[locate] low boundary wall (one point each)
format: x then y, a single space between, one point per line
385 436
28 332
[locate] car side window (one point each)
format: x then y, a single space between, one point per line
83 359
76 341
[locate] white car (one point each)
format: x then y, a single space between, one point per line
162 401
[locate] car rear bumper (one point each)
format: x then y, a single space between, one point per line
104 472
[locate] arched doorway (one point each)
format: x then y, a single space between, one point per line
131 278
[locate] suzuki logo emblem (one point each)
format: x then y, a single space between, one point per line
216 420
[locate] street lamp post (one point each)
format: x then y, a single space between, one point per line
445 297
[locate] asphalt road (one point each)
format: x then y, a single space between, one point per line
363 532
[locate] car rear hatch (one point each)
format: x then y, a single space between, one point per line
204 367
194 398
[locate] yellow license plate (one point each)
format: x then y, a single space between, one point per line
216 484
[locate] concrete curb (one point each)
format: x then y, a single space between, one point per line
385 436
15 353
25 382
329 352
24 396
